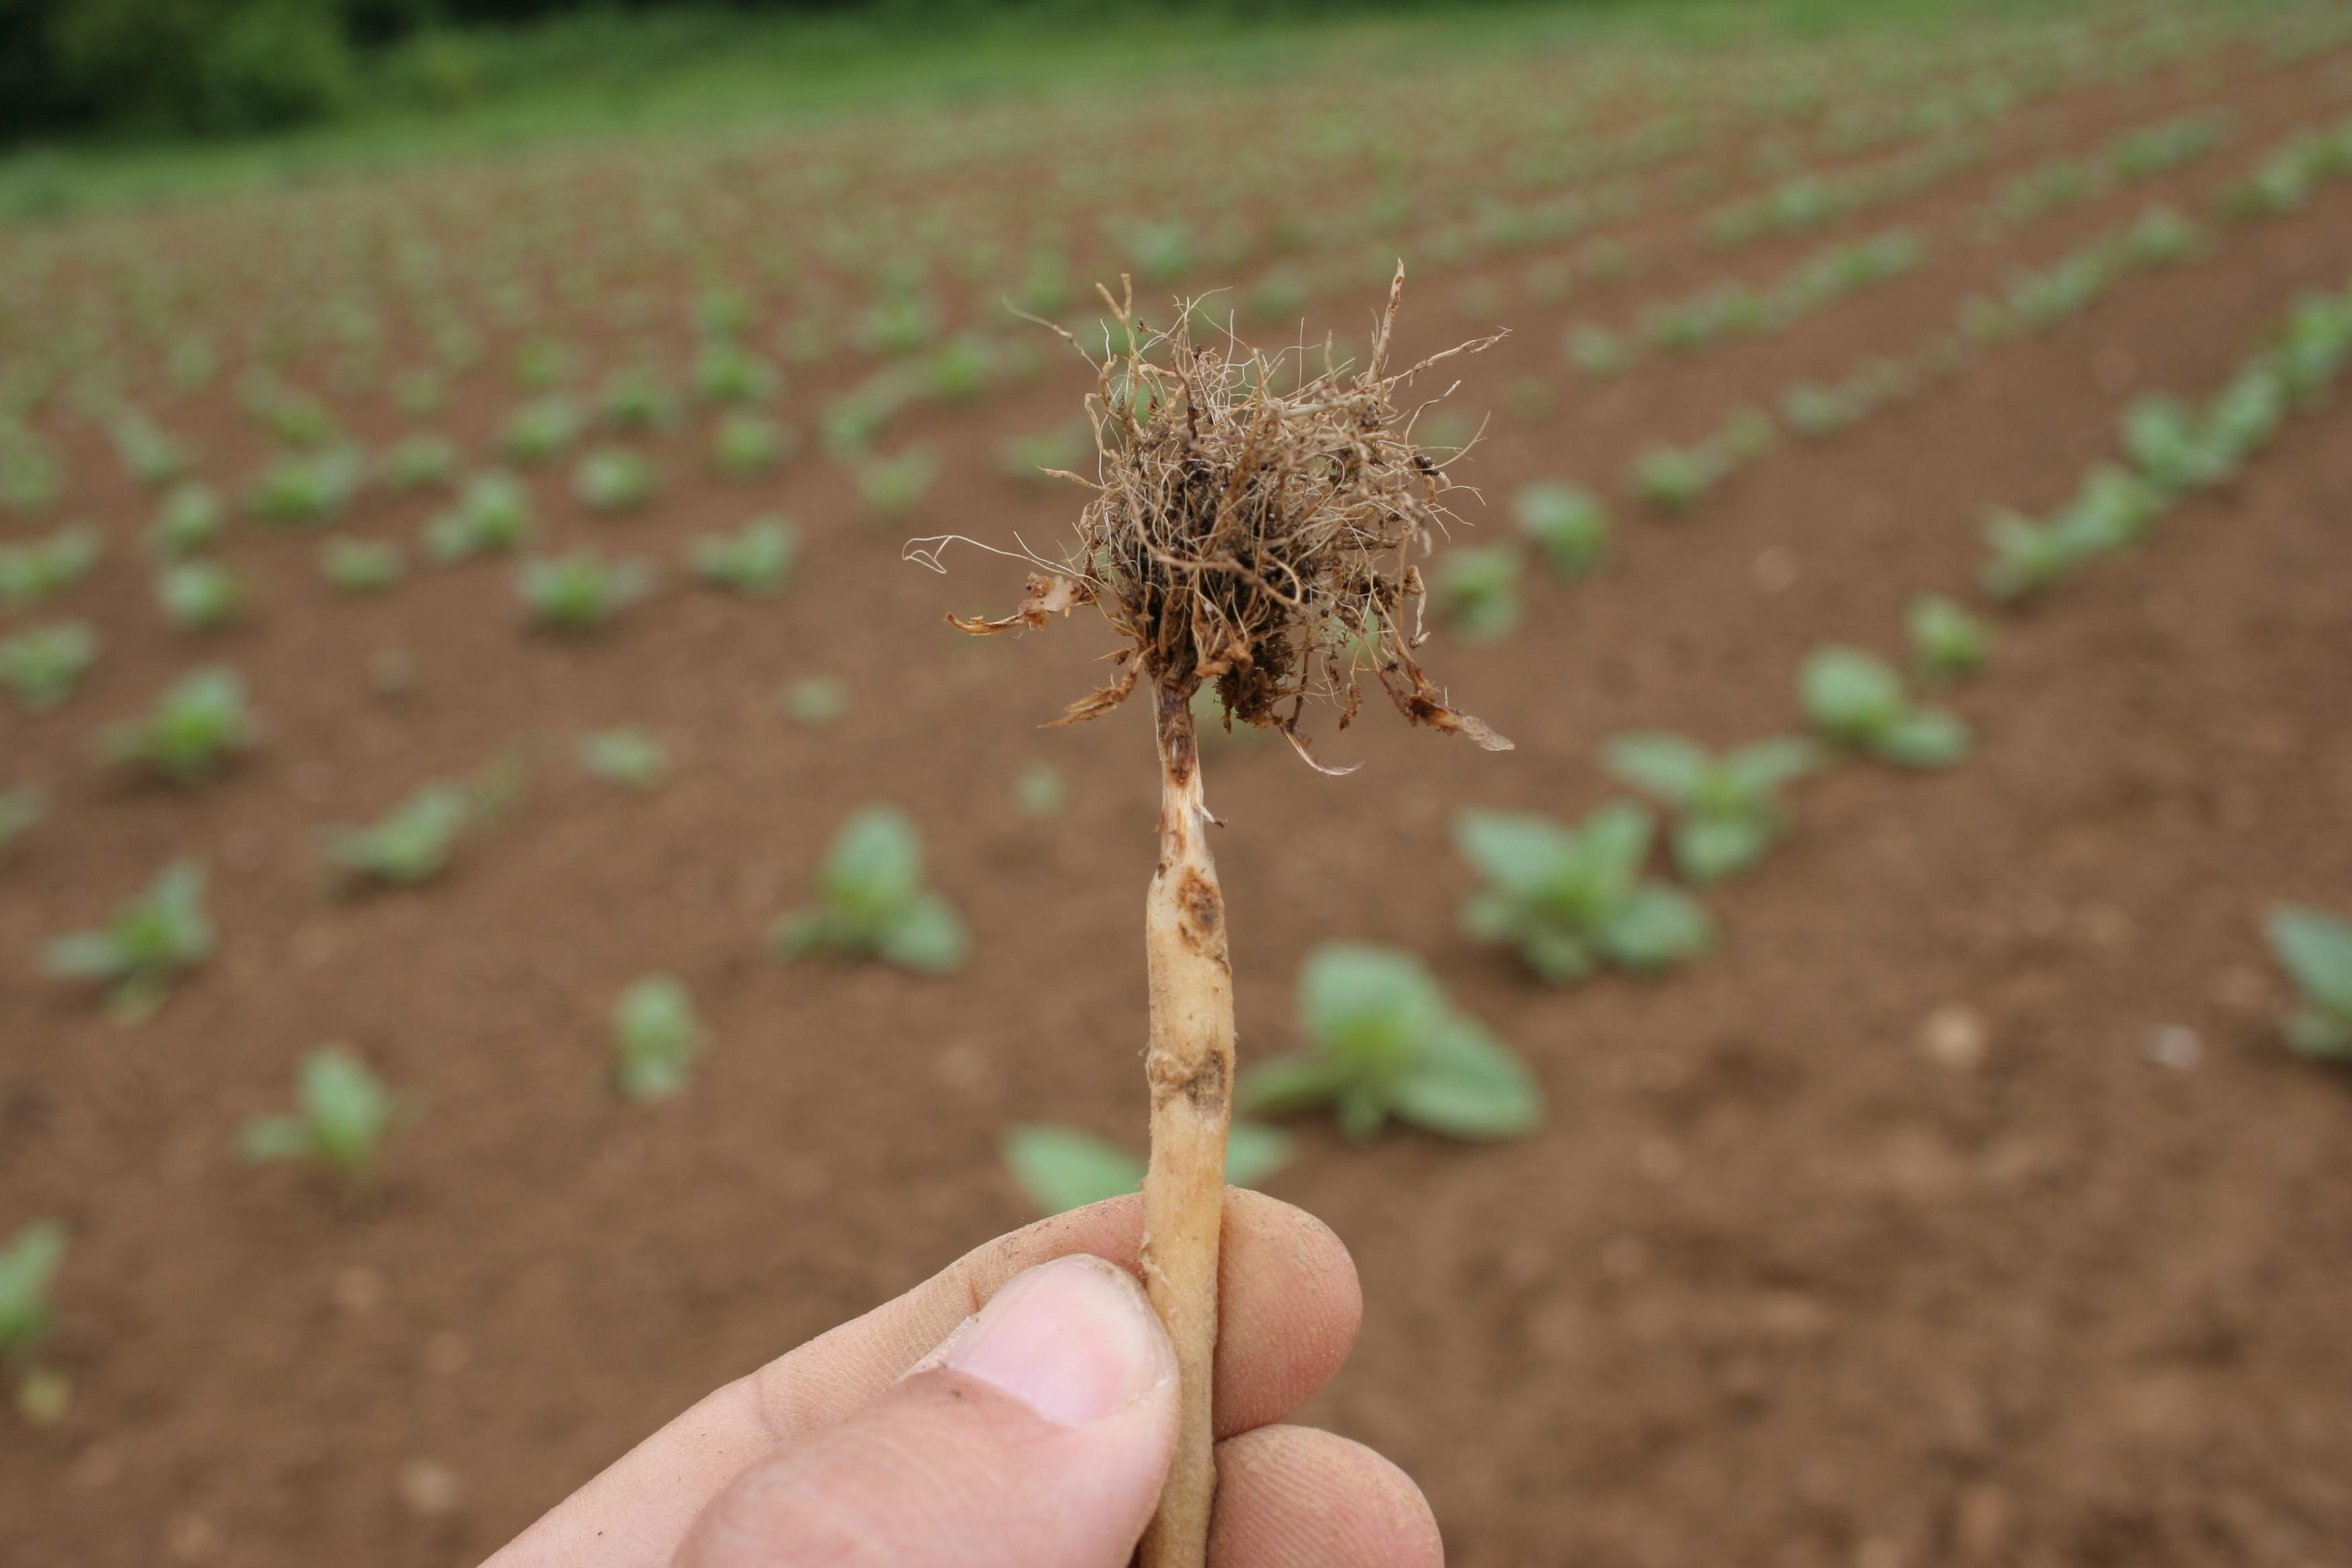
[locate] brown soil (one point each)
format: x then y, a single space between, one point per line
1777 1286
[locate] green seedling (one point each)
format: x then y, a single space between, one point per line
21 808
1038 455
2316 949
1727 812
656 1038
633 759
197 725
362 565
1566 523
1948 644
2114 507
410 844
44 568
891 486
1477 589
872 901
1598 351
747 443
1060 1168
1676 478
32 476
199 596
148 453
28 1267
583 591
43 665
190 519
148 943
2245 415
539 432
421 462
493 514
756 561
1383 1040
310 487
341 1116
2027 556
541 365
1572 900
729 372
1858 700
634 400
614 479
815 699
2163 437
1040 790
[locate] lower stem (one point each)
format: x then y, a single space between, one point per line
1190 1066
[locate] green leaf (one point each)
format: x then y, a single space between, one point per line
1709 849
2316 948
1466 1085
27 1264
1851 694
2322 1037
927 936
1658 928
1282 1084
1671 767
1762 767
876 864
1925 738
1615 839
1061 1168
1254 1152
1366 1007
84 956
1556 955
266 1139
1520 853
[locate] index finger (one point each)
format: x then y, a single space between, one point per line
1288 1303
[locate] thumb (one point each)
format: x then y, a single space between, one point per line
1036 1436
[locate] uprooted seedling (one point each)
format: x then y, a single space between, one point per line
1251 532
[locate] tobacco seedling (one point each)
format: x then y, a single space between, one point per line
539 432
2027 556
1948 644
190 519
756 561
198 596
614 479
582 591
1858 700
42 665
1383 1040
1061 1168
2162 436
1040 790
308 488
343 1113
1566 523
2316 949
197 724
729 372
28 1267
1674 479
891 486
148 942
44 568
635 400
815 699
1572 900
361 565
656 1038
1477 588
409 843
421 462
872 901
493 514
20 808
1727 811
747 443
633 759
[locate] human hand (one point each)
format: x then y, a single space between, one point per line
1017 1411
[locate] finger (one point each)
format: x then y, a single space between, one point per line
1291 1497
1038 1440
1286 1292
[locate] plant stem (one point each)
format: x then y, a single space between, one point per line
1190 1066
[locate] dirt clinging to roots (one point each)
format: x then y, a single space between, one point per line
1253 527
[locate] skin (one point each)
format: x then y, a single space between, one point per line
868 1446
